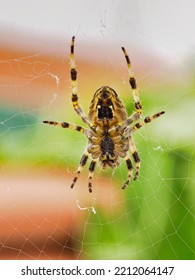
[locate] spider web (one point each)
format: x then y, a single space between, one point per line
40 216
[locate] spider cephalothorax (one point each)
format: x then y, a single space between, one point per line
106 104
110 130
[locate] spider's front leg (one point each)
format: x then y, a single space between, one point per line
133 84
73 74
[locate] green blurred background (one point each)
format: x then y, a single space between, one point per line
41 217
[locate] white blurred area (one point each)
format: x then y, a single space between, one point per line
165 27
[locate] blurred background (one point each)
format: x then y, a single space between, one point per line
40 216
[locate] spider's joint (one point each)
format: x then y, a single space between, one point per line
93 127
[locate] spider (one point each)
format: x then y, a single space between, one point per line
110 129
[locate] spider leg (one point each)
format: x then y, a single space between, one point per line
135 157
133 84
91 172
73 74
134 117
130 171
145 121
67 125
83 161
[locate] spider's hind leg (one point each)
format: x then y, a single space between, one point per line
130 170
91 172
83 161
135 157
129 163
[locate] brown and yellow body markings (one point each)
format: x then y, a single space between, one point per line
109 128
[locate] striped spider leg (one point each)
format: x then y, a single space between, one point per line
145 121
136 115
85 155
85 119
133 84
80 112
73 73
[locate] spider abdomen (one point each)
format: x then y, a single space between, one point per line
108 158
107 145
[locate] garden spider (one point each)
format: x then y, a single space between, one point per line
109 131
